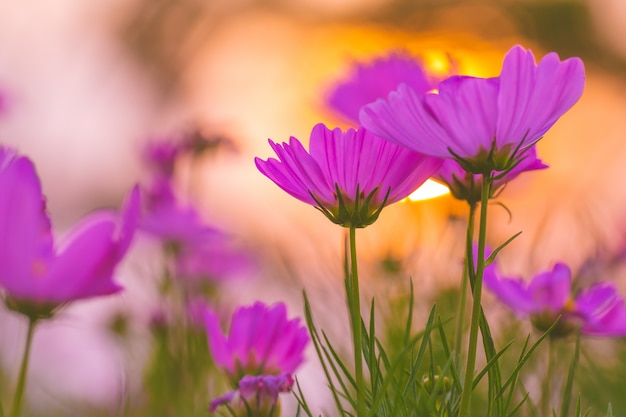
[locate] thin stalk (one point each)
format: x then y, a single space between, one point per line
355 316
546 392
458 342
21 381
567 390
1 406
476 306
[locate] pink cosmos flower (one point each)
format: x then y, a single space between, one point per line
261 341
598 311
486 124
377 79
37 275
350 176
467 187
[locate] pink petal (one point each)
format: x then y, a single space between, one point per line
532 97
551 289
217 342
26 244
85 263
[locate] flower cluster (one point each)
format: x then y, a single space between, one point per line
478 125
485 124
474 134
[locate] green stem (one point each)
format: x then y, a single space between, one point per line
465 280
547 381
476 306
21 381
355 315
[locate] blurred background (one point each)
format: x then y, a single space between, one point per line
86 85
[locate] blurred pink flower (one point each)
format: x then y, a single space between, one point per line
201 251
257 395
261 341
467 187
161 157
377 79
350 176
486 124
39 276
214 259
598 311
177 224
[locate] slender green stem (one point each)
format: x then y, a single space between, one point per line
476 307
567 389
355 315
546 392
460 323
21 381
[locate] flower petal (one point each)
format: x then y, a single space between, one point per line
532 97
404 119
377 79
466 109
217 342
26 245
602 310
84 266
90 253
551 289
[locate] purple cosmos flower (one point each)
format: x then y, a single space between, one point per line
377 79
257 395
598 311
261 341
39 276
467 187
486 124
349 176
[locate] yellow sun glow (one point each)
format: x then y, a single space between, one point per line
430 189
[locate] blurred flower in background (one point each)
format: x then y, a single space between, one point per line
596 311
199 251
37 274
374 80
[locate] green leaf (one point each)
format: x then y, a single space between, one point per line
318 349
524 357
302 404
492 362
495 252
